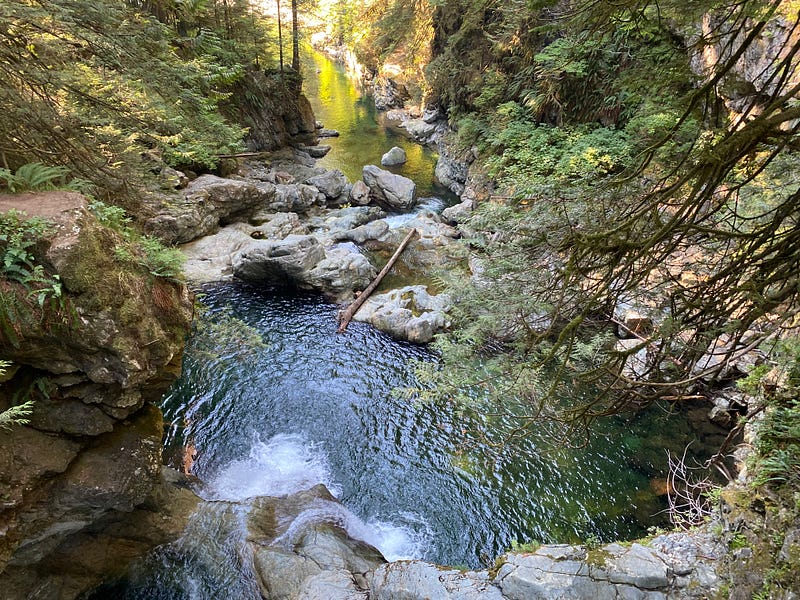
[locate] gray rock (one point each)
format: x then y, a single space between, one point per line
278 261
327 133
460 212
364 233
394 192
316 151
209 258
333 222
419 129
331 183
297 198
451 171
407 313
387 93
395 156
416 580
331 585
359 193
343 270
208 202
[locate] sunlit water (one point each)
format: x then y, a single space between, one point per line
366 134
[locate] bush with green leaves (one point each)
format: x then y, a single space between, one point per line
148 252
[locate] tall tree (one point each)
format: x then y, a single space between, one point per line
295 39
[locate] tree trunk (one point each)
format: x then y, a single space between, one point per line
351 310
280 35
295 39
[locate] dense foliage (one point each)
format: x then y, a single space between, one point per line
635 172
103 87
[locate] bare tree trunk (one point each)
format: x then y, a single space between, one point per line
351 310
295 39
280 35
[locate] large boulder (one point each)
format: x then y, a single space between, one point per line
409 313
343 270
280 262
394 192
293 197
395 156
300 549
206 203
331 183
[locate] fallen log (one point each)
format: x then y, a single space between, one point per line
351 310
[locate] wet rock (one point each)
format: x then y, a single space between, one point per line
331 183
409 313
394 192
300 548
333 222
416 580
281 262
327 133
395 156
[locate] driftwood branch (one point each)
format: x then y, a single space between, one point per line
351 310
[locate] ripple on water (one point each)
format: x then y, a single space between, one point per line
317 407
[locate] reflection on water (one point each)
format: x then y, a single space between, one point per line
364 135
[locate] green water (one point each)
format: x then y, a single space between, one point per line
365 133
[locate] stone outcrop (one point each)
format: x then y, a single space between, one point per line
409 313
393 192
206 203
91 452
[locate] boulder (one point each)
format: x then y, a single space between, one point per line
335 222
371 231
209 258
393 192
460 212
281 262
331 183
327 133
417 580
297 198
395 156
207 202
407 313
419 129
387 93
343 270
359 193
316 151
300 549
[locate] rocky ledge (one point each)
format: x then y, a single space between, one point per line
90 457
284 222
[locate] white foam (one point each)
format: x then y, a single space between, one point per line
285 464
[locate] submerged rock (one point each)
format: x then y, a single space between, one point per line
391 191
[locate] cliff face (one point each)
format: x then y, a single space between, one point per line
273 108
91 452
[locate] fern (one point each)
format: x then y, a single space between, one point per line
34 176
16 415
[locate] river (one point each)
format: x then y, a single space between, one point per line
275 401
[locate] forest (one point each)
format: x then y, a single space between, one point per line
635 168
